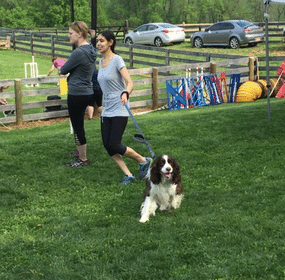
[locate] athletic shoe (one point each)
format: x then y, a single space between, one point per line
144 168
78 163
128 179
75 154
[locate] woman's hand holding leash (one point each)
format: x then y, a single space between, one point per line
124 97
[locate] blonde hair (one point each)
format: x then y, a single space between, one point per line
81 26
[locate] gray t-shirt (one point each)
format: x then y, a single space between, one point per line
112 85
80 66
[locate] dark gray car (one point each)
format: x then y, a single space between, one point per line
233 33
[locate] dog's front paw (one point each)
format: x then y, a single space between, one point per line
144 219
176 205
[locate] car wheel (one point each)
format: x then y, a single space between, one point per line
128 40
198 42
158 42
234 43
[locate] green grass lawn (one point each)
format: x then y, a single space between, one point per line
12 64
61 223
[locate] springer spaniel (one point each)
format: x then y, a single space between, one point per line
163 187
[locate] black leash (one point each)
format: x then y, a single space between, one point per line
139 137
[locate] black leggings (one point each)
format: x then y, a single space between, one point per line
76 107
112 130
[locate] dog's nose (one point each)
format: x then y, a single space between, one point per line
168 169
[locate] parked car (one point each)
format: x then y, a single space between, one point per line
233 33
157 34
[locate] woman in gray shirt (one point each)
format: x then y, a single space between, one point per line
80 66
116 85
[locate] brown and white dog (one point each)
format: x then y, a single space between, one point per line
163 187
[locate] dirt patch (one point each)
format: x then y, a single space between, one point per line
25 125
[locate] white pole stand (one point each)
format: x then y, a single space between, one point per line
34 73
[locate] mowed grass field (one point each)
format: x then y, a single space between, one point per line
61 223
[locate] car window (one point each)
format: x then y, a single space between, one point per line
244 23
167 25
215 27
152 27
142 28
227 26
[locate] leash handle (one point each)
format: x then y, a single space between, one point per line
139 129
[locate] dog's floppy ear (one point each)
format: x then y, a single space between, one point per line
176 172
155 175
147 188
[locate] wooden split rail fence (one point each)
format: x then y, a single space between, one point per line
149 84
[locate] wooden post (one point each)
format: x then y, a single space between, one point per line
94 21
32 43
251 68
154 88
213 67
208 57
52 45
167 57
19 101
257 68
131 56
14 39
71 10
126 27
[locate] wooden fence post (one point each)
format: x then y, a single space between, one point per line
126 27
257 68
251 63
19 101
213 67
52 45
14 39
32 43
167 57
208 57
131 56
154 88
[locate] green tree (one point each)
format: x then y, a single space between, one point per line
50 13
16 17
56 13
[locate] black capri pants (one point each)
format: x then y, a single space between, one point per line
77 105
112 130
